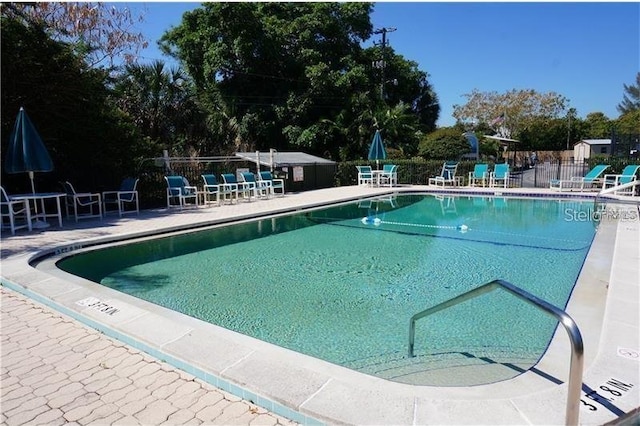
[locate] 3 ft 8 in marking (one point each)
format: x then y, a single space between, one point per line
609 391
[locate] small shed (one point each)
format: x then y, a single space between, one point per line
587 148
300 171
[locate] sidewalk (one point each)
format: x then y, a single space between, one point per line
57 371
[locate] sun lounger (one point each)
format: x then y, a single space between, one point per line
628 175
591 180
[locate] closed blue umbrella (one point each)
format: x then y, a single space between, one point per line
26 153
376 149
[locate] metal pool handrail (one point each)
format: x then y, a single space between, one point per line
617 188
577 347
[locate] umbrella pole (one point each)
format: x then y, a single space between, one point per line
33 188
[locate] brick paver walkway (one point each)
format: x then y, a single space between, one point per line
57 371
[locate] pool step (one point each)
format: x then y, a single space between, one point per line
444 369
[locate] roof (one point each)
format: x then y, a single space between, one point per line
284 158
595 141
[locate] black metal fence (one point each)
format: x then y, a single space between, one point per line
152 186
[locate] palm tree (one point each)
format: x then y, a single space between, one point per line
161 104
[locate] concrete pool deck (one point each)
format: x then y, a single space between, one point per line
604 304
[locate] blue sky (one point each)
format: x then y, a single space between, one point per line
585 52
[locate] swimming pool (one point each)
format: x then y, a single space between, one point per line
341 283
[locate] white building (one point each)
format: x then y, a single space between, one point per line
587 148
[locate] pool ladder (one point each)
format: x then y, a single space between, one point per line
577 348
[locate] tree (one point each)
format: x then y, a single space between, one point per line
630 99
410 86
90 142
446 143
509 113
294 75
597 126
162 105
543 134
96 31
400 128
629 123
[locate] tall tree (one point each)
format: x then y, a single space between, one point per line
509 113
101 33
597 126
631 97
294 74
629 123
161 103
90 142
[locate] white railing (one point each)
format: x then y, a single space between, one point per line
615 190
575 337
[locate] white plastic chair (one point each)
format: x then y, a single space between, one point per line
275 185
388 175
16 211
83 204
178 189
365 175
127 194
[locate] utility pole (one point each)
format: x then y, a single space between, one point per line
569 114
382 64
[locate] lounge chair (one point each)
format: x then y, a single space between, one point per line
580 182
388 175
447 175
83 204
628 175
179 192
275 185
480 173
499 176
240 188
127 194
259 188
17 212
365 175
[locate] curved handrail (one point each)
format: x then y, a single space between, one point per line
577 347
617 188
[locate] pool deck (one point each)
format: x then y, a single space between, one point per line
76 352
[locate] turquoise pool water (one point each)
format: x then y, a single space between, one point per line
341 283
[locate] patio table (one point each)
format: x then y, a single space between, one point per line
41 208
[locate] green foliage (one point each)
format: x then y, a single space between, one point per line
446 143
90 142
629 123
616 164
597 126
161 103
299 70
545 135
520 108
631 97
